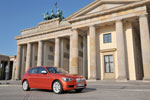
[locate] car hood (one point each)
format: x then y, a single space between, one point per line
71 75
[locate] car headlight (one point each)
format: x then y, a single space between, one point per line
67 79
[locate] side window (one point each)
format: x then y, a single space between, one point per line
33 71
52 70
40 69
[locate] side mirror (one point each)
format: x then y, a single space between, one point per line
43 72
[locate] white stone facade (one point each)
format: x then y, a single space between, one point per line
108 39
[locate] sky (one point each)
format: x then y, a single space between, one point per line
16 15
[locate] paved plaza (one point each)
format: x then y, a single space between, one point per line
98 90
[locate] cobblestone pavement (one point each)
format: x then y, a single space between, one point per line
99 90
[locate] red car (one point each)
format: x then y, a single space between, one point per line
52 78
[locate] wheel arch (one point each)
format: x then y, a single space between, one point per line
55 81
24 80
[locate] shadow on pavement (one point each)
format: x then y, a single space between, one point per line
84 91
66 92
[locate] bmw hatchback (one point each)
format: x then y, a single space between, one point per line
52 78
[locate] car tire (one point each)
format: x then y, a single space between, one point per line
25 85
78 90
57 87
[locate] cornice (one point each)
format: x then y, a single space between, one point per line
82 9
109 11
97 3
108 50
43 32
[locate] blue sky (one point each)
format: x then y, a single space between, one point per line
16 15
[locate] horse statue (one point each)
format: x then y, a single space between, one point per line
59 14
46 16
52 14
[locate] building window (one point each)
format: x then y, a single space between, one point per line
80 53
109 65
50 57
67 47
66 55
81 45
51 49
35 58
107 38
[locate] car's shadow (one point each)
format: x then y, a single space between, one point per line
66 92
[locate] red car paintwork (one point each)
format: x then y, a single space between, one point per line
45 81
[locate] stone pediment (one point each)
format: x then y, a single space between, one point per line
100 5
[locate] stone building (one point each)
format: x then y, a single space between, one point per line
7 67
107 39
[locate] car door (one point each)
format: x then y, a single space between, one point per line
33 78
43 78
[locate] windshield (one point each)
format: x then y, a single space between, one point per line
56 70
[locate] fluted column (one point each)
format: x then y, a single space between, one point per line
18 63
85 56
92 53
74 53
40 49
121 50
57 52
23 63
14 69
28 57
145 45
7 70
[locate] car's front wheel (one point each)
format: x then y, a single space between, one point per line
25 86
57 87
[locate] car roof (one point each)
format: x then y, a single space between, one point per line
43 66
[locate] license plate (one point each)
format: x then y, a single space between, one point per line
80 85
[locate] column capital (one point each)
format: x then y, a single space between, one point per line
144 15
29 43
57 38
40 41
119 20
74 32
92 25
74 28
18 45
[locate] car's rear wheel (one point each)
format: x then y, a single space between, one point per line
25 86
78 90
57 87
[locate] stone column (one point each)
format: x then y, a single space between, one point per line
121 50
18 63
14 69
74 52
28 58
145 45
57 52
92 53
40 51
85 56
7 70
23 60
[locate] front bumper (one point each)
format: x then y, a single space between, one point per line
74 85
